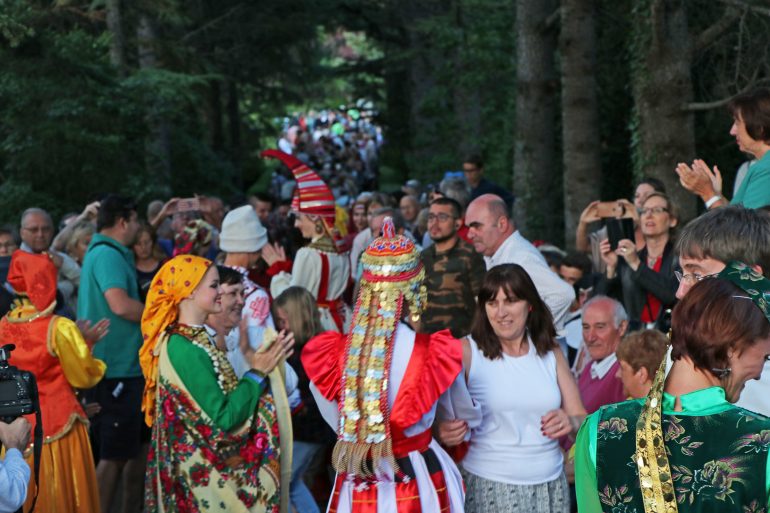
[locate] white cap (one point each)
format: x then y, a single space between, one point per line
242 232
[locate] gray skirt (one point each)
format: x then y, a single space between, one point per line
485 496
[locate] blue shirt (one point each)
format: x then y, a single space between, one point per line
14 478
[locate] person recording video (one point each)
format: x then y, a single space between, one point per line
14 471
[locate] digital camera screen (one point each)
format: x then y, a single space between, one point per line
8 390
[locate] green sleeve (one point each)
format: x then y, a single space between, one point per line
586 487
767 479
755 191
196 371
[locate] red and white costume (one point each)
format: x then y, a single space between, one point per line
379 387
321 267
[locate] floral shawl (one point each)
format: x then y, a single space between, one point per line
195 466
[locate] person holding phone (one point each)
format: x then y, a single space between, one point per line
597 211
644 279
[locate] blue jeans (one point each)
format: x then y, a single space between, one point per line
300 495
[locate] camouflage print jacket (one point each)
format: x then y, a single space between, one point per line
453 279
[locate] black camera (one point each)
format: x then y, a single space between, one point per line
17 388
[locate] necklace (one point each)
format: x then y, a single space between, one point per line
199 337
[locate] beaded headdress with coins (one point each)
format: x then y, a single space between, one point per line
392 273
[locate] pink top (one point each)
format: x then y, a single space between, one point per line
598 392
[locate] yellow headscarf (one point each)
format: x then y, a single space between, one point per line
175 281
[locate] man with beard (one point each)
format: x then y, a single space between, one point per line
109 290
453 272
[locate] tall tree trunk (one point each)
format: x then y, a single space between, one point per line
118 40
536 210
465 96
158 143
580 111
424 65
216 125
234 129
662 85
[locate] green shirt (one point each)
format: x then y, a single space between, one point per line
701 403
754 191
109 264
194 367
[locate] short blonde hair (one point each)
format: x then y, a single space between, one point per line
645 348
81 230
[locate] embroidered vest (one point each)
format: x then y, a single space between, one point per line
718 462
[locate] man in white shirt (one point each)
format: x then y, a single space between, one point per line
14 471
493 234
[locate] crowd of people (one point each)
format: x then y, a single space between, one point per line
327 345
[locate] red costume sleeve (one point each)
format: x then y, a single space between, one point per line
322 359
281 265
435 363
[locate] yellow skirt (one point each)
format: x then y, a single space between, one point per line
67 475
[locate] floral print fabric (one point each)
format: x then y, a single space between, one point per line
193 466
718 462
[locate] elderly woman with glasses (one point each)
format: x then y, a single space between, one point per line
644 279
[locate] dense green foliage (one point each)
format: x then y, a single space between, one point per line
193 103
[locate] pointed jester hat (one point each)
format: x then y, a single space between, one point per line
312 196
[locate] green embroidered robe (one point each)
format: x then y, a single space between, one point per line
718 454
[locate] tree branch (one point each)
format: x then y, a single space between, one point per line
715 31
552 20
701 106
211 23
747 5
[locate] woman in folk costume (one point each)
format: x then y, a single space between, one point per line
54 350
378 387
218 444
320 267
686 446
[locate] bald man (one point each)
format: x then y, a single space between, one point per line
493 234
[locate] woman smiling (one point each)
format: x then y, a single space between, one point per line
516 372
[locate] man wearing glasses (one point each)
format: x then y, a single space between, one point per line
719 236
36 236
705 246
453 272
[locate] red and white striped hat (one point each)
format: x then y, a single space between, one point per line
312 196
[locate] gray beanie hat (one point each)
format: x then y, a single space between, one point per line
242 232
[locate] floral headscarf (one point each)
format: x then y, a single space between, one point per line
195 235
756 286
174 282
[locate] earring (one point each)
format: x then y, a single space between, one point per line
722 373
319 229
